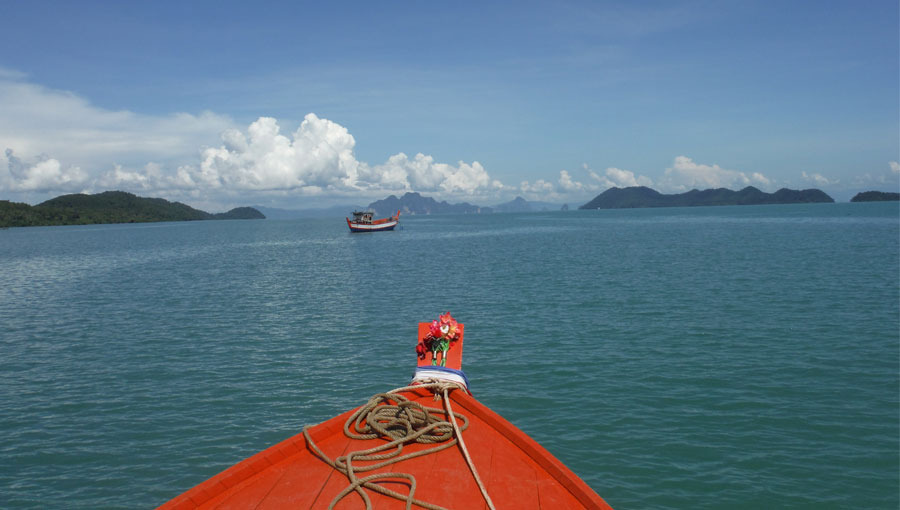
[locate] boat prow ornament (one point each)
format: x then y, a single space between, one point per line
439 351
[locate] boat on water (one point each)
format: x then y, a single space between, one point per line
362 222
429 444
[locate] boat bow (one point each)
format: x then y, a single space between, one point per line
430 444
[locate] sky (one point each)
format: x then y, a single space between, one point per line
296 105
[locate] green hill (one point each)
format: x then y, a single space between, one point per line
108 207
642 196
876 196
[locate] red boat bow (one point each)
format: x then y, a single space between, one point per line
374 457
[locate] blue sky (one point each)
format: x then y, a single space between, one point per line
297 104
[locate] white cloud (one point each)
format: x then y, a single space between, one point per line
818 179
540 188
422 173
618 178
895 167
626 178
468 179
685 174
203 156
568 188
37 120
152 177
94 149
565 188
319 157
567 184
319 154
45 174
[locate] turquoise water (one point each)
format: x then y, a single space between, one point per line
723 357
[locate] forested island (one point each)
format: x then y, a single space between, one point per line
876 196
642 196
109 207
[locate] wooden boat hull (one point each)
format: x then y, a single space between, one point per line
517 472
364 227
374 226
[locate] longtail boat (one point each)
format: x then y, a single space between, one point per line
430 444
362 222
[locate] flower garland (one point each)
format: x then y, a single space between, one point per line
442 333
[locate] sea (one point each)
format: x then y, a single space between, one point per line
675 358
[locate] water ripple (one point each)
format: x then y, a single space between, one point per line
703 358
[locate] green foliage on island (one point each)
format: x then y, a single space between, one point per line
240 213
876 196
108 207
642 196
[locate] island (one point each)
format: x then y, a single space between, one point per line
414 203
876 196
642 196
109 207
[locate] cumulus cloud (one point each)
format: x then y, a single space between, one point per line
564 188
618 178
567 187
204 156
818 179
539 188
422 173
45 174
567 184
685 174
319 156
151 177
59 142
895 167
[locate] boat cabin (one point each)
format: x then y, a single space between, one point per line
364 217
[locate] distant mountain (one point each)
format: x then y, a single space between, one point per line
109 207
519 204
337 211
545 206
414 203
876 196
642 196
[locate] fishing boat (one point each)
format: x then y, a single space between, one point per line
362 222
429 444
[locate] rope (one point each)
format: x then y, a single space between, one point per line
462 446
394 416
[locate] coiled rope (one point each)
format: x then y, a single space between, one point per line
392 415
